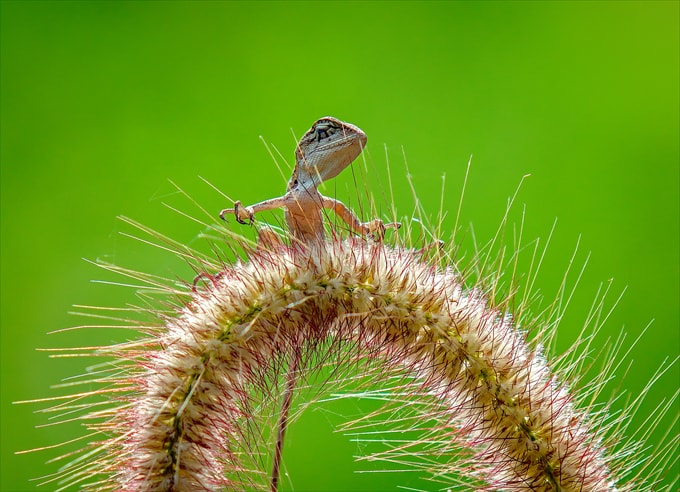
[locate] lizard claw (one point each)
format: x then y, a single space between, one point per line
377 227
240 213
225 212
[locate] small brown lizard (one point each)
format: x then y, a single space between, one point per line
322 153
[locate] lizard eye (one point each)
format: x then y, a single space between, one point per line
324 129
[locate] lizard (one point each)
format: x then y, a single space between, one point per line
327 148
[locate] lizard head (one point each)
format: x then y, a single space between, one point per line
324 151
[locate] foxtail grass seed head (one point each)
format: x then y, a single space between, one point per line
178 407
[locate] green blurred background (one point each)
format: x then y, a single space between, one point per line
103 102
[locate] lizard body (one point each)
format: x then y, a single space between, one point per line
323 152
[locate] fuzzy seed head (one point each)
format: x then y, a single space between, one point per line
182 429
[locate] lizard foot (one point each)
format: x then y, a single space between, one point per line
240 212
376 228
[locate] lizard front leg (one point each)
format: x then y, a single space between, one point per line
242 213
376 227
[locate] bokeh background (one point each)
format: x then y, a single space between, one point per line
103 102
